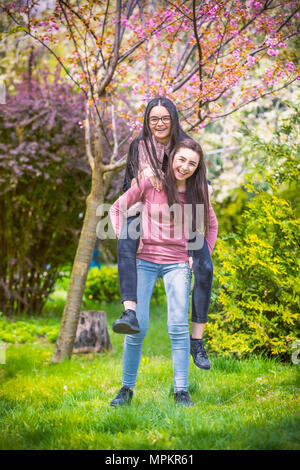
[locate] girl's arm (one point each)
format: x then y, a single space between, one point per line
119 208
212 232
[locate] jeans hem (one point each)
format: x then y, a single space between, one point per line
128 386
199 320
130 298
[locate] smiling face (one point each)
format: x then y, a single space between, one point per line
185 163
160 124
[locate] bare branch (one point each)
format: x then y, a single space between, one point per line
181 65
195 67
118 165
80 18
220 47
102 34
147 71
72 35
179 9
130 7
26 31
141 41
254 99
87 136
115 137
198 44
114 59
170 51
288 19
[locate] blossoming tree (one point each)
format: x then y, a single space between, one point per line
211 57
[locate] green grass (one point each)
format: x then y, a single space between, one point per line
239 404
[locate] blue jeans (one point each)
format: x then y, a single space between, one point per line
202 267
177 282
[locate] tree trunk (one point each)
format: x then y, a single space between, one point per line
84 253
65 341
92 335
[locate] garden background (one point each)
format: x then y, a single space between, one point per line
75 77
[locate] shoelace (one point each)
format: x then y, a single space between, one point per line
122 392
201 350
182 393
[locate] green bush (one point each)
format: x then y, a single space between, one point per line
26 332
44 181
103 286
258 268
229 211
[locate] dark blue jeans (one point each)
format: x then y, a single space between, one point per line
202 267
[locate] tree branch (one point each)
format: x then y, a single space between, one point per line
254 99
141 41
115 137
87 136
44 45
112 66
119 165
198 44
181 66
195 68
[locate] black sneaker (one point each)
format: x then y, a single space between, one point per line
199 354
124 397
127 324
182 398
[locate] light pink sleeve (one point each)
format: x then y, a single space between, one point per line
212 232
118 210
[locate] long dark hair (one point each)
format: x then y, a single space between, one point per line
196 185
177 134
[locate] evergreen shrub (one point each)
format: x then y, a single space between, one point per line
258 267
103 286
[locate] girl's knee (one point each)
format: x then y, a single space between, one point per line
204 268
178 330
137 338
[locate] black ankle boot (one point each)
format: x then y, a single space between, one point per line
199 354
123 397
182 398
127 324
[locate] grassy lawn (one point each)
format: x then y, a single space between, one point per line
239 404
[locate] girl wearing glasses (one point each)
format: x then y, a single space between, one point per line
148 156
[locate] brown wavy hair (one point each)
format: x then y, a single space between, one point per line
196 185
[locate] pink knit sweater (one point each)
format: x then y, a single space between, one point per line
163 242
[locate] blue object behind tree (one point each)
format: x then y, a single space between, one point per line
95 263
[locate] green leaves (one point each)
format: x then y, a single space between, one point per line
103 286
27 332
258 268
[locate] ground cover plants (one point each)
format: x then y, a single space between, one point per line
239 404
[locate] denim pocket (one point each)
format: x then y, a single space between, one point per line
184 264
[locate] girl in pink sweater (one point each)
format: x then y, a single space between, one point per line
148 156
164 253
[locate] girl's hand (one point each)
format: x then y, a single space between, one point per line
149 173
191 263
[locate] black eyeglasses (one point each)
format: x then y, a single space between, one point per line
165 119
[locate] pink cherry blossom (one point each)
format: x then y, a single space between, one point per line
290 66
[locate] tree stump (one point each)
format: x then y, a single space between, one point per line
92 334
